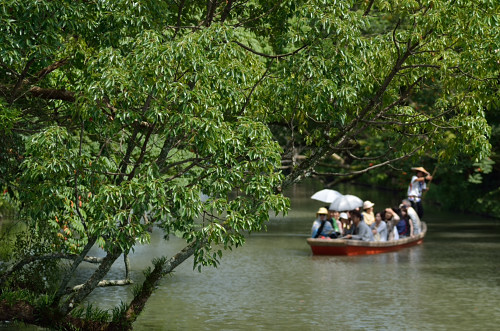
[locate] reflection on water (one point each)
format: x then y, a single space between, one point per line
452 281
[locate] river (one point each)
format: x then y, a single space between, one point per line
450 282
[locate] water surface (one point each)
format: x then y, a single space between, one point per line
450 282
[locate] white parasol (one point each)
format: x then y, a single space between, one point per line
326 195
346 202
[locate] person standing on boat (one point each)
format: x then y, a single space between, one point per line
379 228
368 215
417 187
321 227
362 231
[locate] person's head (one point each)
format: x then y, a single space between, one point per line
387 215
334 214
355 216
322 213
404 210
420 171
368 206
406 202
343 217
378 218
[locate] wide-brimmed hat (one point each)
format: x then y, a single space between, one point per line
322 211
344 216
368 204
420 169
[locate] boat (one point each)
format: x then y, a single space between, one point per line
351 247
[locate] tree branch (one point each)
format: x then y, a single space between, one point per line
227 10
368 8
371 167
247 100
70 273
162 268
420 66
91 283
102 283
20 80
270 56
179 16
143 152
211 6
52 94
45 71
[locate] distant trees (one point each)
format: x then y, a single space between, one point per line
118 116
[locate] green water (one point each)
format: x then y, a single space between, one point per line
450 282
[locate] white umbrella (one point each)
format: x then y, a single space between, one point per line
346 202
326 195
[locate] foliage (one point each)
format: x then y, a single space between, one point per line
118 116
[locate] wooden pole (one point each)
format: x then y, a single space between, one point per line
429 184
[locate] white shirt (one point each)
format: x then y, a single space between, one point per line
415 189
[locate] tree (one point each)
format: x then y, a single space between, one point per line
191 117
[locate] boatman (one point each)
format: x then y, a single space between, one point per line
417 187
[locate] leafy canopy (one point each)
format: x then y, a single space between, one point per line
193 116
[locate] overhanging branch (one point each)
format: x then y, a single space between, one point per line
267 55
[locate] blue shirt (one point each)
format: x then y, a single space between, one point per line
327 228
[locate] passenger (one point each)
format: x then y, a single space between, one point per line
362 231
417 187
347 225
417 224
405 225
321 228
391 218
368 215
334 216
379 228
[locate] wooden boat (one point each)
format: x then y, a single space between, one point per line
359 247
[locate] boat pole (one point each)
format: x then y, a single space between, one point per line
429 184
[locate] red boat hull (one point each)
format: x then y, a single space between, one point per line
356 247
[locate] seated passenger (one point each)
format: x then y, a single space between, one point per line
379 228
412 213
368 215
362 231
347 226
405 226
321 228
333 218
391 218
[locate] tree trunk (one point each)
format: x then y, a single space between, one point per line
91 283
162 267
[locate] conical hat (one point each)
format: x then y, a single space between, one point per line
420 169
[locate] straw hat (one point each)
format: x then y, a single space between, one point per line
322 211
420 169
368 204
